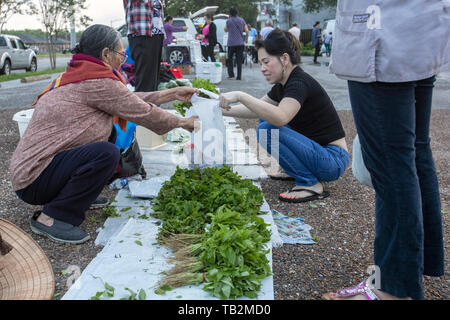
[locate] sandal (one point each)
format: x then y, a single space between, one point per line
314 196
362 288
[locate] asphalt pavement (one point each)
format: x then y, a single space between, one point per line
17 95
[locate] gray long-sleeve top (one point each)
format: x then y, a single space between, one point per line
391 41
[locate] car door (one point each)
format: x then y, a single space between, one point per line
15 55
23 54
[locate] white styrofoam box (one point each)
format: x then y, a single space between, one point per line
211 71
147 139
196 51
23 118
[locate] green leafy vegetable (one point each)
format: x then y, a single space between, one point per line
198 83
210 221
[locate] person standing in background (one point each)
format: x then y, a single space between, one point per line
145 24
209 38
266 30
295 30
254 34
316 36
391 98
169 29
235 26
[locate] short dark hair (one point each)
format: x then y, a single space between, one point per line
315 24
294 24
96 38
279 42
233 11
168 18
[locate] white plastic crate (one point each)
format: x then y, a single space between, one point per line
211 71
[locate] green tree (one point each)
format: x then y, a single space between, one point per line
317 5
55 15
8 8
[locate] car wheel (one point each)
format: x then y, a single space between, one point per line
33 66
6 68
178 55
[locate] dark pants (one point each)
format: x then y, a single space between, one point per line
238 51
393 122
72 181
208 52
146 53
316 51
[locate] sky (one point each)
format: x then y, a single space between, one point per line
109 12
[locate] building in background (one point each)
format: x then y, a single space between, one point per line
284 16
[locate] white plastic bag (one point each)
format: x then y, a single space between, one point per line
147 188
358 167
208 145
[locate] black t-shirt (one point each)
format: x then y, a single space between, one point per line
317 118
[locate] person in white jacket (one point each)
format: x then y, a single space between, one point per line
390 52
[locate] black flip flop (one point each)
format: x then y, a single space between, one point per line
315 196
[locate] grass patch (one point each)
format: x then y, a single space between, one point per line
15 76
58 54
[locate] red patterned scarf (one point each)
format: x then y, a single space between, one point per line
83 67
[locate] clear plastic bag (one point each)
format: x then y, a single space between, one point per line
208 145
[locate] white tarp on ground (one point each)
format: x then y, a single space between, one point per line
131 257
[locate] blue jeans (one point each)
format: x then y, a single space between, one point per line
393 123
302 158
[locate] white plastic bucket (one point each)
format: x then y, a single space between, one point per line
23 118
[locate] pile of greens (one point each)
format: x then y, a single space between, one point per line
174 83
184 201
210 221
198 83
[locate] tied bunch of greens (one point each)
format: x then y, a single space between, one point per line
210 221
198 83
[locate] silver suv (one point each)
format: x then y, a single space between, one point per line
14 54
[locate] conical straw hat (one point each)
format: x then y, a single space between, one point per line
25 272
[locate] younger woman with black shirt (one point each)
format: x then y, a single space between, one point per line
312 145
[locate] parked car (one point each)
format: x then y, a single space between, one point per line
35 49
14 54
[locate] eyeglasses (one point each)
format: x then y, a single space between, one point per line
124 56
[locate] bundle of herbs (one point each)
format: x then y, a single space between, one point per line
198 83
210 221
230 258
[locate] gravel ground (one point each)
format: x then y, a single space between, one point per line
343 223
